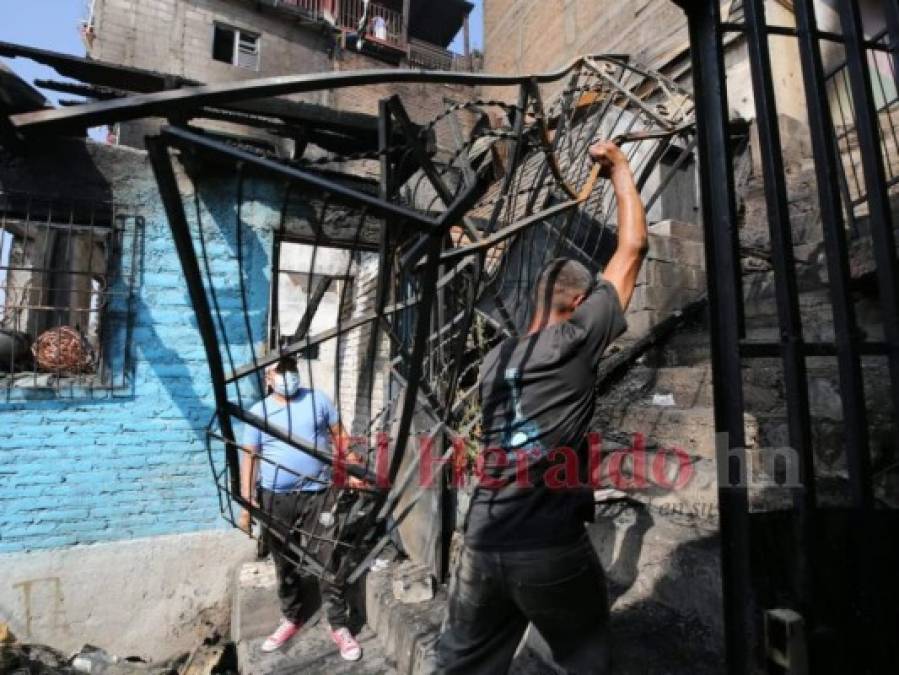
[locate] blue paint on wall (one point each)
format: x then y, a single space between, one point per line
134 463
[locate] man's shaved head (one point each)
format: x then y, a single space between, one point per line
560 282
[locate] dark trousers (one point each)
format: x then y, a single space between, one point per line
561 590
298 592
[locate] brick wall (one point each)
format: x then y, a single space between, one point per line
532 36
75 471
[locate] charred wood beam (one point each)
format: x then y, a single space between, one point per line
193 141
79 89
164 103
111 77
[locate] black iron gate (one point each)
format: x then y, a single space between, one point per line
834 566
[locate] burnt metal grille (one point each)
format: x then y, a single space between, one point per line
433 266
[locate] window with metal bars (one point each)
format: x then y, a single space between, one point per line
235 46
66 284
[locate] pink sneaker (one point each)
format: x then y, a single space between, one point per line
286 630
346 643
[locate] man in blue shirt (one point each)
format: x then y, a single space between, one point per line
292 486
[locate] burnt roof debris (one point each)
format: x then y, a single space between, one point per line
333 130
17 95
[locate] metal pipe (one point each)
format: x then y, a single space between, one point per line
725 302
161 162
846 332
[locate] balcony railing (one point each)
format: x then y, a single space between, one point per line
385 26
431 57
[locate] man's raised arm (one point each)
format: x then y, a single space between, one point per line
624 266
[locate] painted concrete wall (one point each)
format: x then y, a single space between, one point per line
152 597
133 463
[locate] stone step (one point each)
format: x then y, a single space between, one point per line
670 560
690 429
669 488
407 621
664 578
255 614
691 386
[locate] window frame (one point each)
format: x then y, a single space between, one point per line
239 34
109 309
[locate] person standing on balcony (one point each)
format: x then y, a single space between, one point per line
527 557
292 487
329 11
379 28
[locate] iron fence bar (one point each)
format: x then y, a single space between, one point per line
726 310
891 14
503 234
787 296
757 350
848 344
191 140
278 433
424 161
422 328
294 348
879 209
163 169
788 31
385 191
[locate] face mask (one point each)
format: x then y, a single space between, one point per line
285 384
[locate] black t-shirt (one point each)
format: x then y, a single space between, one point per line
537 395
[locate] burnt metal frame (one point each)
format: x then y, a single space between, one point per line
725 294
433 232
161 160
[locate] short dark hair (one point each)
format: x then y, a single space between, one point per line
560 280
286 364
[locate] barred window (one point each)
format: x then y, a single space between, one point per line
235 46
66 287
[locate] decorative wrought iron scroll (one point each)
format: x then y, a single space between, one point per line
442 248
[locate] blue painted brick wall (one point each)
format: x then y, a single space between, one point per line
77 471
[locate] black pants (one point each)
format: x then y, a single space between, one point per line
561 590
298 592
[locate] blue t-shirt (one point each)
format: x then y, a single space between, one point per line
308 416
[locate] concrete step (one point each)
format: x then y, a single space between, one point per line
686 348
669 488
313 652
255 614
407 630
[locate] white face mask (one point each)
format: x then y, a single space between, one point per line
285 384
